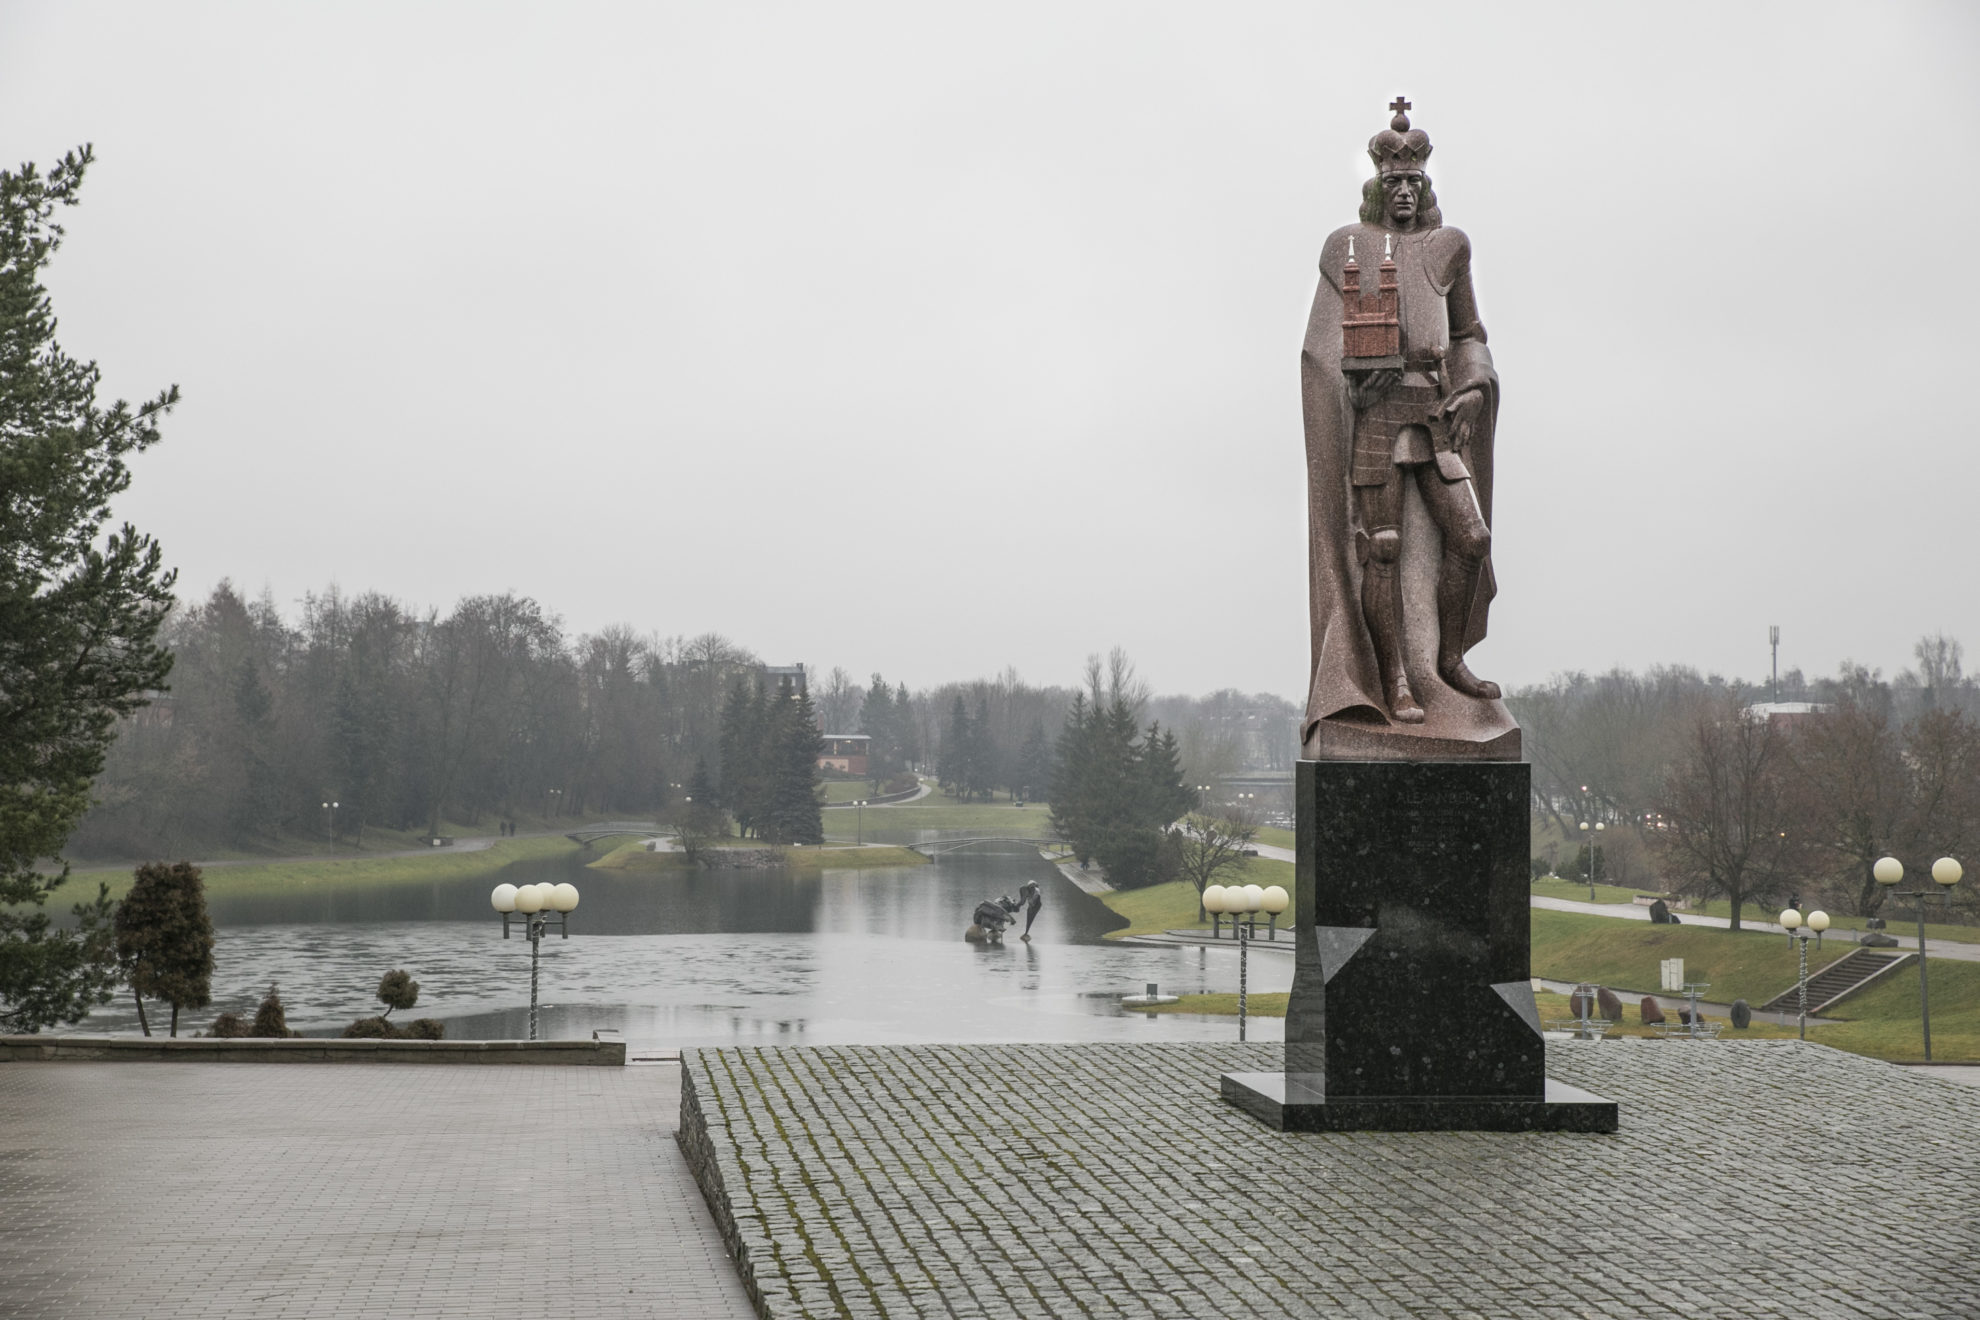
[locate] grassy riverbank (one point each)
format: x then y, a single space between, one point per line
935 812
1172 906
1615 951
1882 1022
634 858
263 878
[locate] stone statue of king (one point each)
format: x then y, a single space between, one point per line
1401 404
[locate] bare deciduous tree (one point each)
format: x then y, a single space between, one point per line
1209 844
1864 789
1727 822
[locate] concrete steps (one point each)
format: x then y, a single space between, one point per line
1841 979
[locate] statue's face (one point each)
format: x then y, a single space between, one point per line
1402 197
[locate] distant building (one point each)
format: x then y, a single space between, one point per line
785 680
845 752
1786 714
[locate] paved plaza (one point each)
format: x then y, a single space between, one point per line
301 1190
1749 1179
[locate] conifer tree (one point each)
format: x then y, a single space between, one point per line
165 939
907 745
743 769
949 769
879 720
1034 772
982 765
791 751
79 610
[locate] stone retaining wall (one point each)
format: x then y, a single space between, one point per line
197 1049
706 1157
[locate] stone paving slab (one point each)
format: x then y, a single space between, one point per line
1749 1179
336 1190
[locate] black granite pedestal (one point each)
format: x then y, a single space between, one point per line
1411 1005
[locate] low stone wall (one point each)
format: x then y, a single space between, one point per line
198 1049
706 1157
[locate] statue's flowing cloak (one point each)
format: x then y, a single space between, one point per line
1434 280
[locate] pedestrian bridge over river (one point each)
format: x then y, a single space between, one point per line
612 829
938 847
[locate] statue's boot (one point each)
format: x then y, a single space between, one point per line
1457 584
1381 604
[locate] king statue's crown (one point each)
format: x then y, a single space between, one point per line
1399 147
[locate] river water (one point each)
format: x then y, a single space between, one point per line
723 957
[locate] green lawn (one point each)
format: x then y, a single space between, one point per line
1882 1022
1903 920
257 879
1625 954
847 790
938 812
315 843
634 857
1553 1007
1173 906
1262 1005
1277 838
1578 891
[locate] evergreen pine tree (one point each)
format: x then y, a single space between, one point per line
165 939
79 610
1168 798
791 755
1072 778
907 744
701 784
1034 761
951 768
742 742
982 768
876 721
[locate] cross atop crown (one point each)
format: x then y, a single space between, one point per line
1399 148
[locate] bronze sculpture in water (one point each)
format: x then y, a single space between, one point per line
1401 408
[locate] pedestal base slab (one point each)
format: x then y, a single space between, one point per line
1280 1101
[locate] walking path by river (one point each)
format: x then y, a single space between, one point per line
1954 949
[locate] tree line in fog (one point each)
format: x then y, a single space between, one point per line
414 719
1713 788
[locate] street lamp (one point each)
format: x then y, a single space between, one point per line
535 904
1244 899
1798 933
1946 872
859 822
553 794
330 812
1597 829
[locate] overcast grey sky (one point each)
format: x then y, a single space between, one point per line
930 340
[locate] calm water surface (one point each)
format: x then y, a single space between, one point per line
725 957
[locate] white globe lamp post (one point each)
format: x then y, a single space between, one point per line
1946 872
537 905
1799 931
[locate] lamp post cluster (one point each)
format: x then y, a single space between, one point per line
1799 930
330 813
1946 873
1245 900
1594 833
536 905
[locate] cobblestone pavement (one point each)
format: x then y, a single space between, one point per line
294 1190
1749 1179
